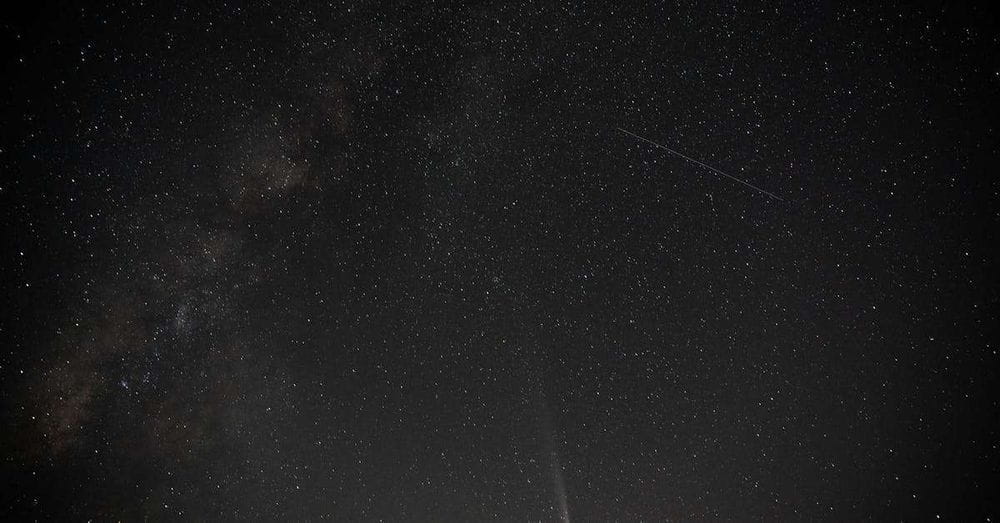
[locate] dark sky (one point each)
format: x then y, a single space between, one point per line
366 262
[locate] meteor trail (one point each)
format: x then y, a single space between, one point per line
705 165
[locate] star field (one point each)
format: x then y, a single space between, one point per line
366 261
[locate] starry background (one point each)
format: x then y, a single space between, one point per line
361 262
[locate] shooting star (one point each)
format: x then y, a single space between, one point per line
705 165
555 467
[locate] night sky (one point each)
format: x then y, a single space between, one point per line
499 262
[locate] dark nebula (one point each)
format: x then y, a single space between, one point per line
372 261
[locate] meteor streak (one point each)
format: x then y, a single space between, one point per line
705 165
